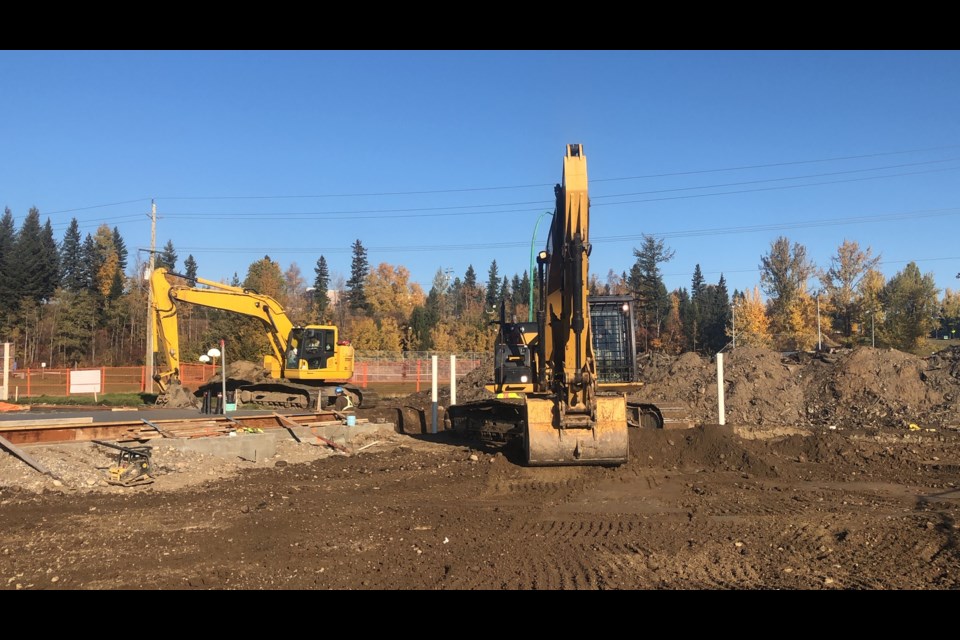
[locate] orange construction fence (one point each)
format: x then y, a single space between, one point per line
415 374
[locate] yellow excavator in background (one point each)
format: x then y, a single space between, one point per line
546 380
308 368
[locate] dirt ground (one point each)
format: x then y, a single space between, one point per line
834 471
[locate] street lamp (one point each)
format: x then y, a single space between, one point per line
216 353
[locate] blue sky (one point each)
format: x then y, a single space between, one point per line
439 160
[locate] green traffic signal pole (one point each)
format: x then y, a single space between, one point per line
533 252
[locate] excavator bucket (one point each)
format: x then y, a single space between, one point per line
605 442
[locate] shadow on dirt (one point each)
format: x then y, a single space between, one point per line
418 423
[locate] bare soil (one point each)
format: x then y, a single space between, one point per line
833 471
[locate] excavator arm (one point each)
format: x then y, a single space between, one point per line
567 420
309 367
545 374
166 297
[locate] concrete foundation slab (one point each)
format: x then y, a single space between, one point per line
257 446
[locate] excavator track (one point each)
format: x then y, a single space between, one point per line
658 416
288 395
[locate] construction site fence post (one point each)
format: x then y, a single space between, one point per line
453 379
433 378
720 409
5 391
418 376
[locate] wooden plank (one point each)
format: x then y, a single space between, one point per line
289 424
11 425
330 442
162 432
20 453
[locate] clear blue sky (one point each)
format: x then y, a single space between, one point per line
438 160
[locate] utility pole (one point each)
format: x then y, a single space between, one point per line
150 316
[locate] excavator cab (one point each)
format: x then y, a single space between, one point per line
315 346
513 356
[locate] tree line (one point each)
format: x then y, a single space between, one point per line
71 302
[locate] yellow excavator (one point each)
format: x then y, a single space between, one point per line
546 380
309 367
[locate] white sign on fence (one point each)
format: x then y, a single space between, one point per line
85 381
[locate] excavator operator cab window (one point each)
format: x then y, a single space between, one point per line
292 355
317 347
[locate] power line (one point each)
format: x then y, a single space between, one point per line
823 222
540 203
550 184
365 214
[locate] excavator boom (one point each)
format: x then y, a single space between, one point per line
546 375
308 367
568 421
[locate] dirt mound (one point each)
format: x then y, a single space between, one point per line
242 370
179 397
863 387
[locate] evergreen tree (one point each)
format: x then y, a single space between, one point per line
696 286
523 292
30 276
71 259
646 283
76 318
504 291
8 237
715 314
694 330
359 269
167 258
49 261
88 260
122 253
424 319
116 286
190 267
516 296
321 288
471 295
493 287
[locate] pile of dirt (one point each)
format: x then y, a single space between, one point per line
179 397
862 387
